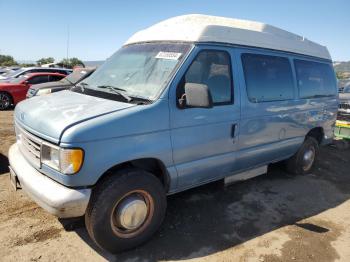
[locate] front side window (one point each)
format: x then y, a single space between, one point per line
139 70
315 79
268 78
213 69
38 80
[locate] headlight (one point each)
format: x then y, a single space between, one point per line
66 161
44 91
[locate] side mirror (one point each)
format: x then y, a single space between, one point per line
26 82
197 95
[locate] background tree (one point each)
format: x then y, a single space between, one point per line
7 60
71 62
45 60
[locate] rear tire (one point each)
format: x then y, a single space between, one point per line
303 161
5 101
125 210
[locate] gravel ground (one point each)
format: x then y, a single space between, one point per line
269 218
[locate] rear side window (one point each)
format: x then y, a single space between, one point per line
212 68
55 78
268 78
315 79
61 72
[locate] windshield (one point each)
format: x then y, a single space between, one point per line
140 70
347 89
17 80
13 73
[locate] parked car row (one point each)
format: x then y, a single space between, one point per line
14 90
28 82
7 70
28 70
65 83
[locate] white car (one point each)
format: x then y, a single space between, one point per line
29 70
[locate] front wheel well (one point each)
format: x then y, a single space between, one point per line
317 133
152 165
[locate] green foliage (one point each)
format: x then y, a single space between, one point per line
343 75
6 60
342 67
27 65
45 60
71 62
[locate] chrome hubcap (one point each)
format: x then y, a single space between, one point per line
131 213
4 101
308 158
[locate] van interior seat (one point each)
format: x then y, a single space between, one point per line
219 86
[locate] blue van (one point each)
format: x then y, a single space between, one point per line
188 101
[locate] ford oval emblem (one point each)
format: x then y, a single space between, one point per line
22 116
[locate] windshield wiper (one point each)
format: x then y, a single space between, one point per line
118 91
82 86
142 100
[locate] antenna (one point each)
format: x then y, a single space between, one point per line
68 34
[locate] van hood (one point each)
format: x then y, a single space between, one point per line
49 116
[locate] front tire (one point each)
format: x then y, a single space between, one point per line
5 101
125 210
303 161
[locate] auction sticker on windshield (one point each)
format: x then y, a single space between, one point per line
169 55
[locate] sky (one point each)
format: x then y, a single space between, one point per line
32 29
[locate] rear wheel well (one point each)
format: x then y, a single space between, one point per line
316 133
151 165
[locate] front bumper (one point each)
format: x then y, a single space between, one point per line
55 198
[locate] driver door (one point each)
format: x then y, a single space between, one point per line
204 140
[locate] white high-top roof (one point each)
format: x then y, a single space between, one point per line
204 28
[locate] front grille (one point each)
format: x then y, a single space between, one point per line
344 106
29 145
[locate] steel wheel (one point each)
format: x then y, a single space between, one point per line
132 214
304 159
125 209
5 101
308 158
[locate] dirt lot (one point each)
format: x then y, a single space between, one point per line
269 218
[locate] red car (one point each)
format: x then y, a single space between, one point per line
14 90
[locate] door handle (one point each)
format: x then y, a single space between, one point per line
233 130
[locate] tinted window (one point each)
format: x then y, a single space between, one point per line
38 80
315 79
268 78
55 78
212 68
61 72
